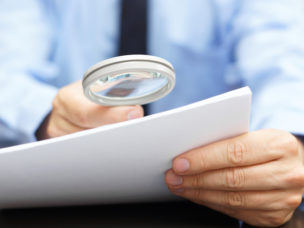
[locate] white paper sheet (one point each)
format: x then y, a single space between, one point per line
117 163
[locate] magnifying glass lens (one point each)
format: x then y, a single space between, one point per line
129 85
128 80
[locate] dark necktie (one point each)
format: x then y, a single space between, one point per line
133 29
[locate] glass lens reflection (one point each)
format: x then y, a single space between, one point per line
129 85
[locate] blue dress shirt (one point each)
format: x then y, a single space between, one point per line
214 45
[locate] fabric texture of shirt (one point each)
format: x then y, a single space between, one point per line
214 45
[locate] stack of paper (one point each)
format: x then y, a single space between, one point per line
117 163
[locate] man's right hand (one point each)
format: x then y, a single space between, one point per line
73 112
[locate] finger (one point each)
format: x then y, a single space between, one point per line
248 149
267 176
249 200
99 116
89 115
59 126
93 115
71 103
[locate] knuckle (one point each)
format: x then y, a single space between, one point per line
56 103
60 97
294 201
276 220
195 181
283 142
235 199
290 144
235 178
236 152
82 118
202 163
76 114
271 218
296 178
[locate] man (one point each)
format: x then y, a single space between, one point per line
215 46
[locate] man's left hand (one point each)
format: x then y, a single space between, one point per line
257 177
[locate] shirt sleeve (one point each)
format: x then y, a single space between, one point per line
267 51
26 70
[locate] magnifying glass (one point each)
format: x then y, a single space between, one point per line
128 80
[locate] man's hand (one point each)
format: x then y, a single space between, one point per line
73 112
257 177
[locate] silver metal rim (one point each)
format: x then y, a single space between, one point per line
124 64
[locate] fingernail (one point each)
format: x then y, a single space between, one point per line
181 165
134 114
173 179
